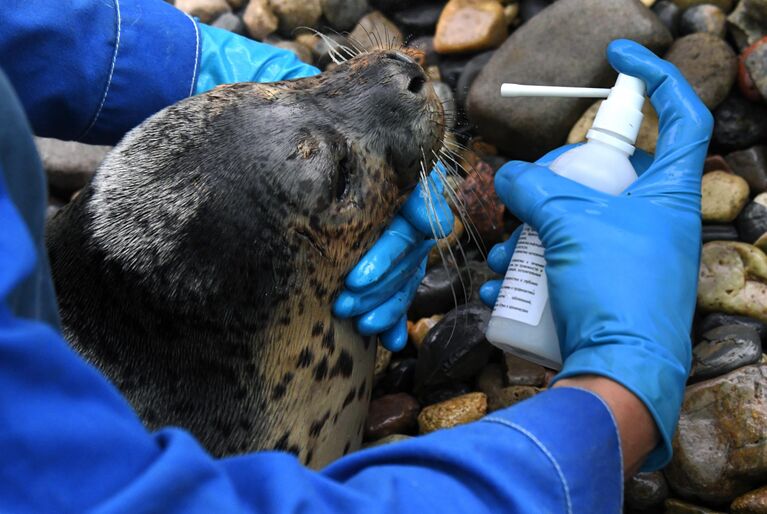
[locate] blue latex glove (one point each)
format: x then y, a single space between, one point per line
622 270
382 285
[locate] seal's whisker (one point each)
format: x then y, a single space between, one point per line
432 219
351 46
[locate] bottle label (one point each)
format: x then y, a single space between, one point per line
524 291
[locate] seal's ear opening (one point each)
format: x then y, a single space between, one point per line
343 172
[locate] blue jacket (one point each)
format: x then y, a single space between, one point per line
91 70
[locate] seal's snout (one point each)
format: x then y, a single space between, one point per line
413 71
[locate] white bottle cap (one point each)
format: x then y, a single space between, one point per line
619 117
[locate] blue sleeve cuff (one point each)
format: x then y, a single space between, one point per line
154 63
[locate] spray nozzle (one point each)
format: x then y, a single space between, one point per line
619 117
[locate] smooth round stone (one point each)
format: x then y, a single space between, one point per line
754 64
391 414
725 5
293 14
508 396
470 71
716 163
259 19
399 378
470 26
739 124
490 379
389 439
322 49
753 502
719 233
674 506
720 448
440 290
669 14
724 349
752 222
648 131
374 30
206 10
723 196
344 14
510 13
645 490
420 328
708 63
530 8
718 319
451 67
445 95
456 411
520 372
383 358
69 165
455 349
733 279
751 164
747 22
444 393
231 22
302 52
703 18
419 19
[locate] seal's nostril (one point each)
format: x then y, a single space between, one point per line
397 56
416 85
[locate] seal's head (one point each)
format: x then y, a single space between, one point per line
199 266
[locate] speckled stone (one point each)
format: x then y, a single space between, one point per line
739 124
733 279
470 26
508 396
753 64
723 196
708 63
456 411
753 502
483 207
747 22
720 448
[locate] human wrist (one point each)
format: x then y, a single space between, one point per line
636 428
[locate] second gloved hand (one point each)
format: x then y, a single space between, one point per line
622 270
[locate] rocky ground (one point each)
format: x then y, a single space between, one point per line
449 374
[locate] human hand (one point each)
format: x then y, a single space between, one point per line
382 285
622 270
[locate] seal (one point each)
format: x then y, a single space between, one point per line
198 267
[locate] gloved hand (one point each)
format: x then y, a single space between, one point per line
622 270
382 285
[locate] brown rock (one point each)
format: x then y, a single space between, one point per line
482 205
259 19
391 414
754 502
456 411
720 448
421 328
723 196
716 163
374 30
235 4
490 379
733 279
293 14
444 245
648 132
470 26
300 50
508 396
206 10
708 63
523 373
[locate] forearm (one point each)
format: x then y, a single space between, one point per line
637 430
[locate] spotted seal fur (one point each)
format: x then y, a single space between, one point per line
198 267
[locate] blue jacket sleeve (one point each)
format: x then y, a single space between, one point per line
70 443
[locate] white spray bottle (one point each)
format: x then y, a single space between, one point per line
522 322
